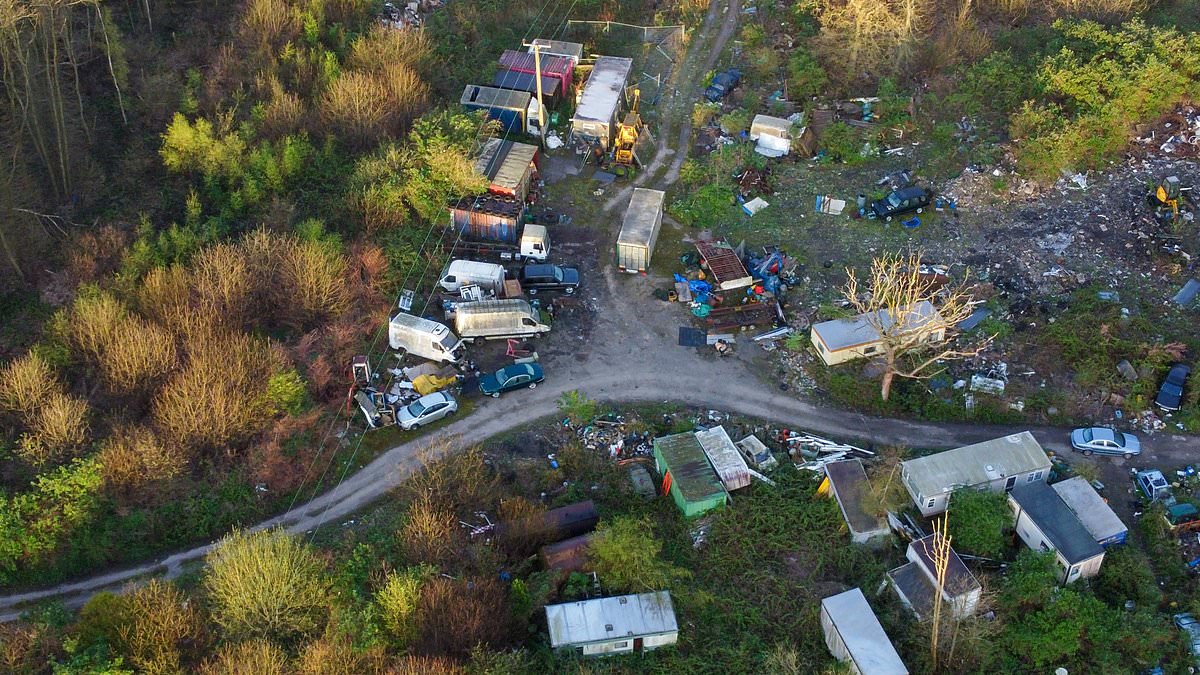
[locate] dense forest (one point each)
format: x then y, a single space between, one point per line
208 208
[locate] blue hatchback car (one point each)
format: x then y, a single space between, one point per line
516 376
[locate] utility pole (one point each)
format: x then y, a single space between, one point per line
537 74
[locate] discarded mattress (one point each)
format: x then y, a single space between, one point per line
773 146
754 206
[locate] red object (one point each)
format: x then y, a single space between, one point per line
559 67
666 482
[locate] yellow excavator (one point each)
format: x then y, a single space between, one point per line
1168 200
628 133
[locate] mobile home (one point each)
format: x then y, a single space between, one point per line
618 625
1045 523
842 340
854 636
998 464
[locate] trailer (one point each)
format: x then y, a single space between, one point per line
514 110
509 166
599 106
497 319
639 230
558 67
552 92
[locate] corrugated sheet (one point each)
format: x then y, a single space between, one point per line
558 67
527 82
690 470
488 218
1095 514
725 458
570 50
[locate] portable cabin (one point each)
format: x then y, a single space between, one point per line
558 67
599 106
568 50
687 474
509 167
510 108
842 340
1096 515
639 230
848 484
1045 523
618 625
515 80
916 582
854 636
998 464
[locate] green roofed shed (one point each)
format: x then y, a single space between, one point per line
694 484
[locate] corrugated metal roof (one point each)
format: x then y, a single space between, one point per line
491 97
604 619
557 66
862 635
641 216
506 163
1061 526
1091 509
975 464
522 81
853 332
571 50
689 466
725 458
602 93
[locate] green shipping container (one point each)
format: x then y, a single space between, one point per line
695 486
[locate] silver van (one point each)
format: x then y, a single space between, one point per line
424 338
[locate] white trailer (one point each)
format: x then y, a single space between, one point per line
599 105
854 636
424 338
639 230
497 319
459 273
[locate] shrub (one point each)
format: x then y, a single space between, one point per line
366 107
224 286
164 295
626 555
578 407
161 623
287 392
312 285
138 353
398 601
102 618
735 122
254 657
95 317
25 383
57 427
703 113
456 615
335 655
977 520
231 369
842 142
383 46
266 585
133 459
806 77
430 534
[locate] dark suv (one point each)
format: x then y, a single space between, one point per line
900 202
536 278
722 84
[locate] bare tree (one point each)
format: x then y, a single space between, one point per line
869 36
912 316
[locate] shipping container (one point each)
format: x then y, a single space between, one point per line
515 80
558 67
510 108
596 114
639 230
570 50
508 166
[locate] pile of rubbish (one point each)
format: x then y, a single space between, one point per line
608 433
1177 134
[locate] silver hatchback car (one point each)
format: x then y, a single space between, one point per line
426 410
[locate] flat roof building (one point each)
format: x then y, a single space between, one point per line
627 623
1045 523
998 464
1091 509
842 340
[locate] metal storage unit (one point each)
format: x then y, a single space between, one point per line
639 230
599 104
516 80
558 67
854 635
509 167
570 50
504 105
488 218
687 475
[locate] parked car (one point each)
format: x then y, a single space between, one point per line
426 410
901 201
722 84
511 377
1170 394
1191 627
1105 441
536 278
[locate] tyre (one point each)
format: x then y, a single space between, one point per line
921 210
533 385
1128 455
496 395
569 291
1087 453
888 219
533 291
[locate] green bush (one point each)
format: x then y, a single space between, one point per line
806 77
287 392
842 143
977 520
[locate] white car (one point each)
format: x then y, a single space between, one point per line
426 410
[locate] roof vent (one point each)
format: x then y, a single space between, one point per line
990 468
623 600
608 626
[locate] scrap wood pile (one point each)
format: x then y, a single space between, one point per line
753 181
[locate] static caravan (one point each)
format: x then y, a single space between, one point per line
599 106
854 636
1045 523
1091 509
916 582
848 484
843 340
998 464
619 625
639 230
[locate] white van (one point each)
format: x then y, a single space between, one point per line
424 338
488 276
497 319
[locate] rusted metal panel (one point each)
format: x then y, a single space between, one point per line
724 265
